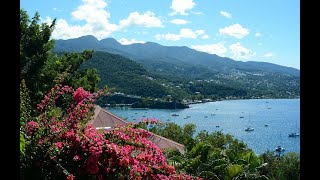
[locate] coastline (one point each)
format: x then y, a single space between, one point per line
129 106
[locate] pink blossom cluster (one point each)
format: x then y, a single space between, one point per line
124 152
80 94
50 99
31 127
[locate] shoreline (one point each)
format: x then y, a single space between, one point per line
128 106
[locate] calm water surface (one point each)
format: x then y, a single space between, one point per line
233 116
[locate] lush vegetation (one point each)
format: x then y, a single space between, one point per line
60 144
56 141
39 67
129 77
124 75
220 156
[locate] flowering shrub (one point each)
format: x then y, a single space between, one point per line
61 144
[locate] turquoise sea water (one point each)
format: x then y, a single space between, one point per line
282 116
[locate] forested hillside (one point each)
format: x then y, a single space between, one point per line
129 77
183 72
124 75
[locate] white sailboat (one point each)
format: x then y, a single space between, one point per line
175 107
294 134
249 128
280 149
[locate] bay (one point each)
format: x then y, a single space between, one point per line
272 120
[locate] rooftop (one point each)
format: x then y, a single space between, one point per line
103 118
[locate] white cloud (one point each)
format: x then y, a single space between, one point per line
96 19
218 48
148 19
235 30
257 34
199 32
188 33
269 54
197 13
226 14
54 9
92 11
96 22
179 21
205 36
184 33
181 6
240 52
126 41
168 36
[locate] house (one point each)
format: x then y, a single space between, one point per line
104 119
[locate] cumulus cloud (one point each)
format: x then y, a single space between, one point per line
199 32
126 41
96 19
218 49
240 52
179 21
269 54
205 36
257 34
197 12
168 36
184 33
92 12
235 30
181 6
148 19
226 14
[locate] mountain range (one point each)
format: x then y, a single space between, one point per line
157 57
153 70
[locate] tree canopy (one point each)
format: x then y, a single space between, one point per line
39 66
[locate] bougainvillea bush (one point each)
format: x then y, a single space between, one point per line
61 144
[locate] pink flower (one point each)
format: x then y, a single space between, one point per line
76 158
124 161
80 94
70 177
31 127
59 145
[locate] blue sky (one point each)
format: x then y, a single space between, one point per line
246 30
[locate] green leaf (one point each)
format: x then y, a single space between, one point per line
22 143
233 170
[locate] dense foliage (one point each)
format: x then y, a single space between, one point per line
124 75
57 142
60 144
132 78
39 67
56 139
220 156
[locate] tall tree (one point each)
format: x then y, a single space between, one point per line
35 47
39 66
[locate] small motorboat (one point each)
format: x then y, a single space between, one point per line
294 134
249 129
280 149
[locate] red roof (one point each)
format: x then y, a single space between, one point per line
104 118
